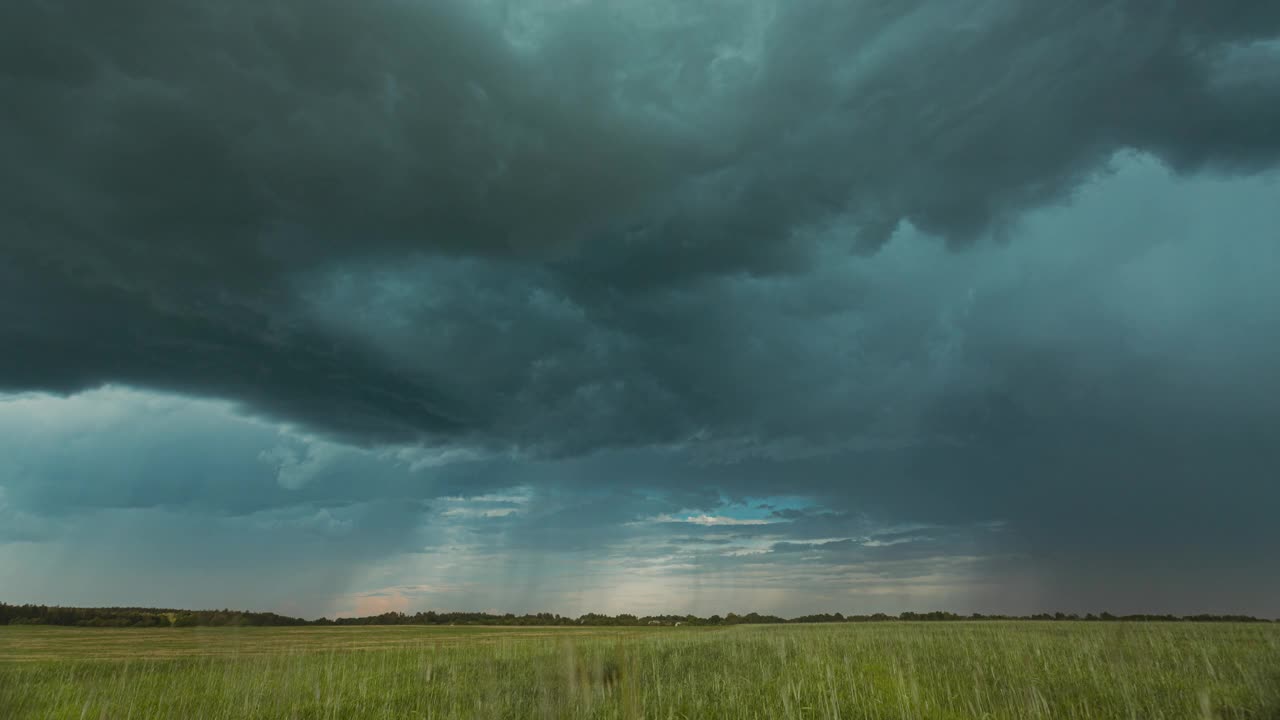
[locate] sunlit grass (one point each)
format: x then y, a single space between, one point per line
894 670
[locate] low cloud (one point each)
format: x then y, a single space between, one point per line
571 178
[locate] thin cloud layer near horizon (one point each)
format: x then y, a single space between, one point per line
641 306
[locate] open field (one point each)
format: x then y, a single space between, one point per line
886 670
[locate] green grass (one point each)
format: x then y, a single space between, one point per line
895 670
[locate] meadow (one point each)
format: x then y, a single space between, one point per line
1014 670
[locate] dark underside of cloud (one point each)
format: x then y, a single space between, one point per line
572 232
175 170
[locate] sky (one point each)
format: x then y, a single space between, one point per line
688 306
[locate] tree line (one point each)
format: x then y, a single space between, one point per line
138 617
159 617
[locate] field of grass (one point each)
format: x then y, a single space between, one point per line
1014 670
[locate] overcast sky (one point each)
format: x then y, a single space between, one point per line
792 306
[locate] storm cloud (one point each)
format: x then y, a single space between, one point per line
997 272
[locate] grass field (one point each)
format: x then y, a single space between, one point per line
893 670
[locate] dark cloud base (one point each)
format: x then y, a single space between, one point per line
173 170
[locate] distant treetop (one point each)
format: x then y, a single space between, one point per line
160 617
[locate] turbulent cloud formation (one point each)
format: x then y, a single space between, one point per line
177 171
984 288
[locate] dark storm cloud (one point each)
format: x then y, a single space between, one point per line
179 177
955 117
655 263
169 169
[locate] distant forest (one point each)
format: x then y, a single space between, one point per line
158 617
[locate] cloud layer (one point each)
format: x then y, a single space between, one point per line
999 272
177 173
